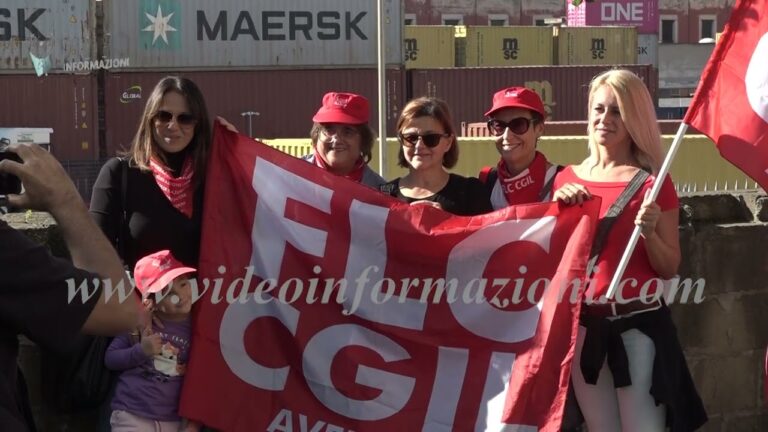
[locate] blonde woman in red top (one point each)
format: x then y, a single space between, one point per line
629 372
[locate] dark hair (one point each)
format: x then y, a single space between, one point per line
144 147
367 136
437 109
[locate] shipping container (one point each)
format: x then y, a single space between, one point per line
199 34
460 41
509 46
596 45
285 100
60 32
65 103
644 15
429 46
648 49
468 91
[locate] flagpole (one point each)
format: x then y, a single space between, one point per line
654 193
382 63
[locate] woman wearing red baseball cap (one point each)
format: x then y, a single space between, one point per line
523 175
342 141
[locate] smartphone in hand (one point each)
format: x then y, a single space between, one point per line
9 184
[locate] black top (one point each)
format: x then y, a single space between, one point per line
463 196
34 302
153 223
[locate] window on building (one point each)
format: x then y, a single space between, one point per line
707 26
539 20
453 19
409 19
668 29
498 20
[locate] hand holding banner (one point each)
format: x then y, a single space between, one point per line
345 309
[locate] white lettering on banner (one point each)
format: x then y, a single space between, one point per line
284 422
317 360
235 321
449 379
610 12
484 319
367 223
273 230
495 392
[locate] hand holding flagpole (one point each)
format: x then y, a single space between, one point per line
654 194
729 106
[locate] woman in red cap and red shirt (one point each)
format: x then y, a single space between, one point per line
523 175
342 141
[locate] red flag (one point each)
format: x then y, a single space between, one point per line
731 103
324 349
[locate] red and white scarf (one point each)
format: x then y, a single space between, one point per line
356 174
178 190
525 187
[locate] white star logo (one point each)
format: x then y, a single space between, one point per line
160 25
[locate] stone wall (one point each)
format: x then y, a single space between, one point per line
723 239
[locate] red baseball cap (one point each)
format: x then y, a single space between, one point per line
346 108
154 272
517 97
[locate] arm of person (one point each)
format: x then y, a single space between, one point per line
662 239
117 309
106 199
122 354
48 188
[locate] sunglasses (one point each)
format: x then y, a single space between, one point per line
518 126
429 140
183 119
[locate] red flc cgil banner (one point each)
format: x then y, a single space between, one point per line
731 103
329 306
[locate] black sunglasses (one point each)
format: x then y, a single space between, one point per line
518 125
429 140
183 119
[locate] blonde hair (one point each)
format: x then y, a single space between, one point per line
637 113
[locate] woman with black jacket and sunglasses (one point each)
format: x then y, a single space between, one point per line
428 147
151 199
523 175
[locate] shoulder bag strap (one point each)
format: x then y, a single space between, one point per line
548 185
605 225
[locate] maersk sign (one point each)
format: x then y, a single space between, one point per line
54 31
247 33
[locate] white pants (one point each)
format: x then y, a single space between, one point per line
123 421
626 409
